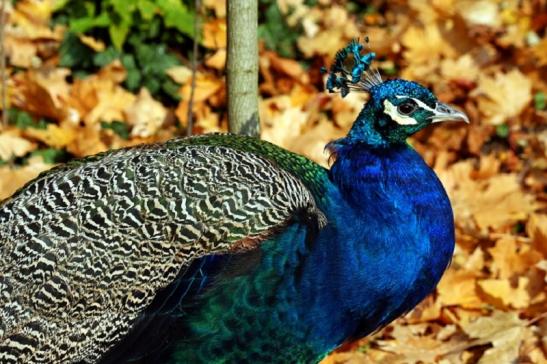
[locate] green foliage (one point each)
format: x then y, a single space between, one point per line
502 131
22 120
118 127
141 34
145 66
275 31
52 155
120 17
540 101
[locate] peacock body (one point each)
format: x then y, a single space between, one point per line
224 248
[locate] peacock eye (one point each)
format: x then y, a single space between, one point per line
407 107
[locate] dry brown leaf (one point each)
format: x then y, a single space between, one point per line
100 97
30 19
88 142
463 68
501 294
217 60
512 258
112 100
536 227
22 52
12 145
214 34
219 6
281 123
179 74
337 30
540 51
13 178
55 136
114 71
206 86
42 92
458 287
412 344
504 330
482 12
426 44
497 202
503 96
146 115
96 45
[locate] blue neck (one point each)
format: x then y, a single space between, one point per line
363 129
389 239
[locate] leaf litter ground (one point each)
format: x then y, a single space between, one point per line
488 57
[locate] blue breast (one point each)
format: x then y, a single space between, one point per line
390 238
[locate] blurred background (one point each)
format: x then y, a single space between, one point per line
81 77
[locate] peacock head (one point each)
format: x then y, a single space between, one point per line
396 108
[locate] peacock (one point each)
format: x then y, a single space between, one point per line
228 249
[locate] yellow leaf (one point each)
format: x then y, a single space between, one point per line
217 60
145 114
458 287
496 202
536 227
42 92
504 330
206 86
482 12
426 44
11 179
504 96
54 136
219 7
12 145
180 74
214 34
96 45
336 30
500 293
462 68
511 258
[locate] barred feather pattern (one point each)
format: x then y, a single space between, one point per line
84 248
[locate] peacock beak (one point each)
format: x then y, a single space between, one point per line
444 112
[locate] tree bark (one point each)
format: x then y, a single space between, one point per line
242 67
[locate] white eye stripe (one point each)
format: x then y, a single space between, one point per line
391 111
420 103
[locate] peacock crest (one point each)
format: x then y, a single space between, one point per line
352 71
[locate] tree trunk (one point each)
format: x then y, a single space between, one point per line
242 67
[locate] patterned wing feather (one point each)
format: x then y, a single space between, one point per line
84 248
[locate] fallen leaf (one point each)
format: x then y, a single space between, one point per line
497 202
179 74
503 96
462 68
458 287
482 12
146 115
214 34
96 45
536 228
54 135
217 60
12 145
13 178
504 330
500 293
510 258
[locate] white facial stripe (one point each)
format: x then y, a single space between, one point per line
391 110
420 104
